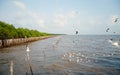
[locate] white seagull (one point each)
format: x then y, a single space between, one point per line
27 49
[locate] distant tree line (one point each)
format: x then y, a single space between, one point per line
8 31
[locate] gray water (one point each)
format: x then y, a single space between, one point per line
64 55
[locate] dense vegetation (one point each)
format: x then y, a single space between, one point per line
8 31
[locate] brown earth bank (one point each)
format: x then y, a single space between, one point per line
18 41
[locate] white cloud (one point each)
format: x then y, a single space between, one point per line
62 19
19 4
41 22
30 19
37 19
27 17
94 22
72 14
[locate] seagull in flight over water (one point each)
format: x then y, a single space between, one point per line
76 32
107 29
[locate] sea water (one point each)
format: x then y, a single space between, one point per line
64 55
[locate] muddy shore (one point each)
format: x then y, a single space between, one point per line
18 41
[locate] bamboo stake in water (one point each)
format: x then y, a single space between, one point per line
11 67
27 61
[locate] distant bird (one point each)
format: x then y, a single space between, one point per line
76 32
107 29
111 39
114 32
116 20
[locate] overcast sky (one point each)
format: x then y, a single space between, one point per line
63 16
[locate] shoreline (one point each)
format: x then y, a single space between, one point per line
19 41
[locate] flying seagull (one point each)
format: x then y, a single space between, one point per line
116 20
76 32
107 29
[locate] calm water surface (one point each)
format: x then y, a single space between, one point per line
64 55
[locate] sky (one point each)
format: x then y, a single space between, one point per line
63 16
